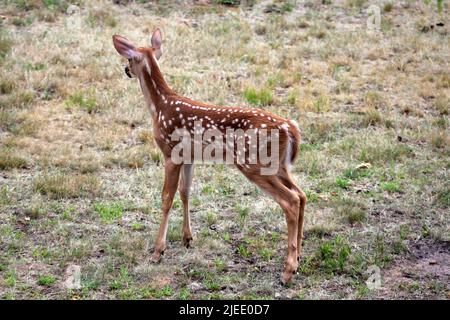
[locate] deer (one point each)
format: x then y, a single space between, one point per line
170 111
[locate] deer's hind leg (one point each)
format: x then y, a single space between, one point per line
290 203
184 187
288 181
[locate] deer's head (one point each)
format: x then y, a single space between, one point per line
137 57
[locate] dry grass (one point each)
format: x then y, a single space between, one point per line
11 161
81 175
63 186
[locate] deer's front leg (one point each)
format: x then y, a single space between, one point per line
172 175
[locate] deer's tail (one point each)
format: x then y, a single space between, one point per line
293 142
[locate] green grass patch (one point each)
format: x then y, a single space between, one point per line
261 97
109 212
46 280
243 251
137 226
10 278
212 283
390 187
331 257
81 100
342 183
266 254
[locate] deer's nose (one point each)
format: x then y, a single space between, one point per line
127 72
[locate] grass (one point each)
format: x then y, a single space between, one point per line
46 280
5 196
109 212
9 161
243 251
439 139
82 101
390 187
351 211
210 218
331 256
35 211
81 175
441 104
342 183
6 86
443 196
261 97
61 186
101 18
5 43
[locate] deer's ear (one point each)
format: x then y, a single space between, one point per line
157 43
124 47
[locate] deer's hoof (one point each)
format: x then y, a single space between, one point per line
156 257
286 278
187 242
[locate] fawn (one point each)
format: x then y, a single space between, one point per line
171 112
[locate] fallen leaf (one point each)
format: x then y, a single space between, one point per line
364 165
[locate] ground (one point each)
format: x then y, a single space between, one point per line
81 177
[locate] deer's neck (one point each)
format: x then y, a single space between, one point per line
155 89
